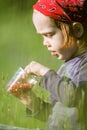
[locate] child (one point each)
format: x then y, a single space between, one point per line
63 26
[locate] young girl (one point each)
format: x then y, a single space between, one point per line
63 26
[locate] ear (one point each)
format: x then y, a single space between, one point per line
78 29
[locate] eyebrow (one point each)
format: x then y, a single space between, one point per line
47 32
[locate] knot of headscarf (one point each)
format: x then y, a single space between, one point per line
63 10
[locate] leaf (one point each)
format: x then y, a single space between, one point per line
41 93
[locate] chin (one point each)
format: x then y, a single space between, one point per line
59 57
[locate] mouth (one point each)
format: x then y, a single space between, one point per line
54 53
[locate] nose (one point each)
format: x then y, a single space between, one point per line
46 42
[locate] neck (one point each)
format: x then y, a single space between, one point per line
81 49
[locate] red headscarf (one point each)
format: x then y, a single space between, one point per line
63 10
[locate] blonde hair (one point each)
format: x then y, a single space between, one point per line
69 36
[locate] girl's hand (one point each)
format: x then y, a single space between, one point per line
36 69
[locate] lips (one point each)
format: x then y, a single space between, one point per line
53 53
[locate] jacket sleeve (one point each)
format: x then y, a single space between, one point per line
61 88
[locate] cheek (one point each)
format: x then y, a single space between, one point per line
58 42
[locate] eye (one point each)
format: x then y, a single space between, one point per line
49 35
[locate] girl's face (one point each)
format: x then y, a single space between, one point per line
53 37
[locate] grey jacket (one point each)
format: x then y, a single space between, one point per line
68 89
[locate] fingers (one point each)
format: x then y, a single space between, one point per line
28 69
36 69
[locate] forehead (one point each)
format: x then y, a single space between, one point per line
43 23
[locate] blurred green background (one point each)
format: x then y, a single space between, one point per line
19 45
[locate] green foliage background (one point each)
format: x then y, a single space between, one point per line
19 45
